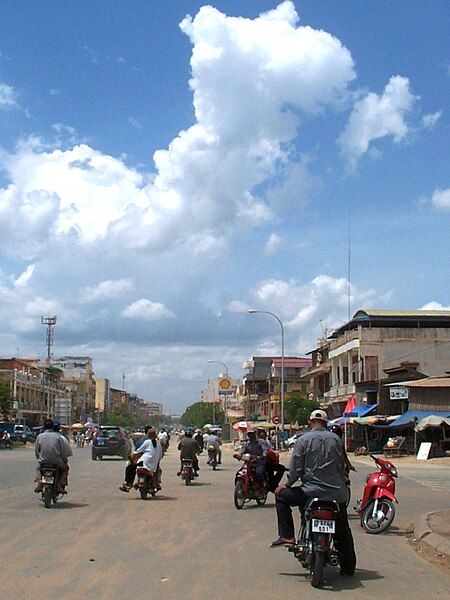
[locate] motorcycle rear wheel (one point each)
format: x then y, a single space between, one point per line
47 497
187 479
239 496
143 494
316 572
375 526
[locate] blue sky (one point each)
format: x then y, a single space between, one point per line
301 117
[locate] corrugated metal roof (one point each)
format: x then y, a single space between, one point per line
431 382
401 313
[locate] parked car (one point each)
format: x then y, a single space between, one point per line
111 441
18 433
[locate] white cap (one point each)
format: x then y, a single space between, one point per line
319 414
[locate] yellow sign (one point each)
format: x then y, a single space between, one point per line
224 383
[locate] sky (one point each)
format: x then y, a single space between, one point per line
164 167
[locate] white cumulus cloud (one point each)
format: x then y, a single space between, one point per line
8 96
441 199
433 305
147 310
107 289
272 245
376 116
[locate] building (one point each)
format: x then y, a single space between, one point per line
35 389
78 379
119 397
426 393
262 384
363 352
318 376
102 396
154 408
228 399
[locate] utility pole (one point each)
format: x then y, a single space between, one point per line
50 322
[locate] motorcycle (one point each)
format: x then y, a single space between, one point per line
146 482
187 470
212 457
49 477
246 487
315 544
376 507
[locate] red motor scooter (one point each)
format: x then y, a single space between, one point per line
376 508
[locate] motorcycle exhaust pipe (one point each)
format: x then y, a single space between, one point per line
334 561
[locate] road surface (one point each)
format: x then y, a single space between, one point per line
189 542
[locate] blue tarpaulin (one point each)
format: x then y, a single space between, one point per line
358 412
407 418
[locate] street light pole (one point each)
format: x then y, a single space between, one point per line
226 391
253 311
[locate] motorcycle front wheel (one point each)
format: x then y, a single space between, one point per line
187 479
384 516
316 572
143 494
261 500
239 496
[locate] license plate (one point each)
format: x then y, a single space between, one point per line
323 526
101 443
46 479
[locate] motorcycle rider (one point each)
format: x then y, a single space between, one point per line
318 463
214 441
162 439
149 454
189 448
199 439
258 453
130 469
52 447
338 431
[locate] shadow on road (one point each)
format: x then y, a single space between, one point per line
399 531
338 583
253 506
67 504
157 498
199 483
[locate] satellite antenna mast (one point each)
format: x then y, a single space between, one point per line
50 322
349 263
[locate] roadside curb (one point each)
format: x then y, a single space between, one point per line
423 532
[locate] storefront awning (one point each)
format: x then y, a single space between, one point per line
410 417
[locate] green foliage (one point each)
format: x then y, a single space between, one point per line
159 420
298 408
200 413
122 417
6 398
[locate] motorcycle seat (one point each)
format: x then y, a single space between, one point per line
316 502
47 465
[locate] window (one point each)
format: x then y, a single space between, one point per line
371 368
345 375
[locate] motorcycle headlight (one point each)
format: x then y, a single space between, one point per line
393 471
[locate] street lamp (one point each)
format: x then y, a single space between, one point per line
253 311
219 362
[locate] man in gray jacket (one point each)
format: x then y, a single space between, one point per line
318 463
52 447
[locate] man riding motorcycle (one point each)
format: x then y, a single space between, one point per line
258 453
318 463
53 448
130 469
189 448
215 441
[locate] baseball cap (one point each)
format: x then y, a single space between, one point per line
318 414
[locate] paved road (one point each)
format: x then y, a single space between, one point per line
188 542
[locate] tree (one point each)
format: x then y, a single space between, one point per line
298 409
200 413
122 417
6 398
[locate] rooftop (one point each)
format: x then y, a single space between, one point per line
395 318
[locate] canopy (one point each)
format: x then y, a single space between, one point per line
432 421
77 426
264 425
410 417
357 413
243 425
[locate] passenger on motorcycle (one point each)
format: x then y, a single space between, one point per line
214 441
189 448
318 463
149 455
274 469
52 447
338 431
199 439
130 469
258 453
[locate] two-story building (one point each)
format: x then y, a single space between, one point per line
362 352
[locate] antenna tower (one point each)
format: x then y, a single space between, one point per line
349 263
50 322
